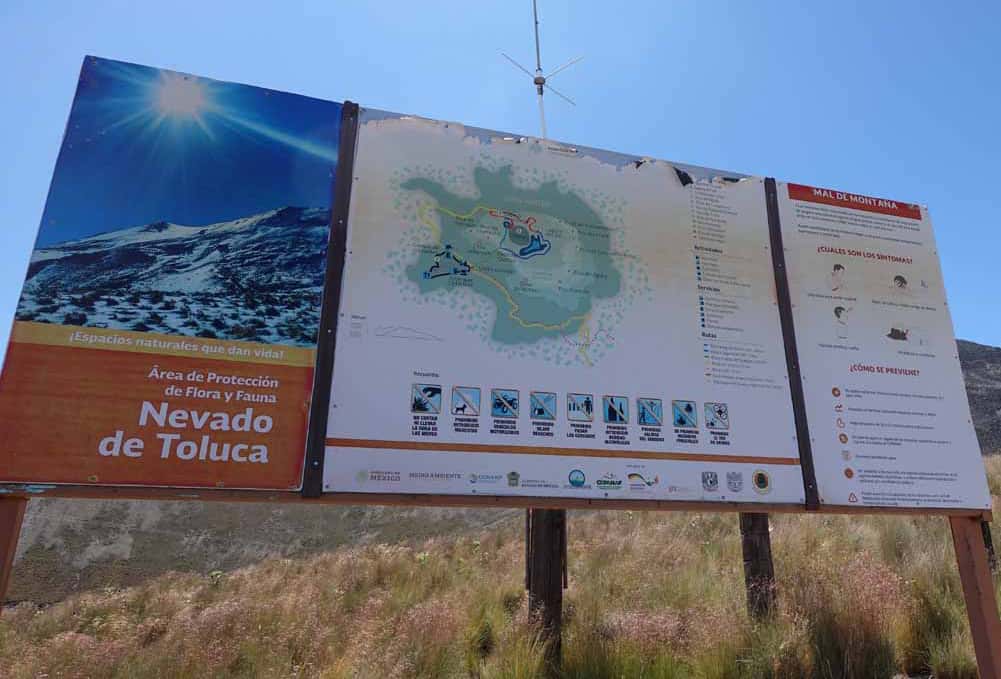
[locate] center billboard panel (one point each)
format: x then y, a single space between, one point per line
521 317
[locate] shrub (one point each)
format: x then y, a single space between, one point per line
75 318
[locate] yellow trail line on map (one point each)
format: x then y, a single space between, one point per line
585 342
513 313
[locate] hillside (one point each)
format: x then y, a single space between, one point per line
652 595
70 546
982 372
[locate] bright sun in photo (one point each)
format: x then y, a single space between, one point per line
192 111
180 97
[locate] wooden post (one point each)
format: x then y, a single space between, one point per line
978 590
11 516
992 556
759 571
546 557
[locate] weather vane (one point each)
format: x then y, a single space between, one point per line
541 81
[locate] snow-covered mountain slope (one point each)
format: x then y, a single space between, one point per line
256 278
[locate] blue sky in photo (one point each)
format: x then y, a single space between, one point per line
145 145
892 99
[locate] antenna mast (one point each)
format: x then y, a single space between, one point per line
540 80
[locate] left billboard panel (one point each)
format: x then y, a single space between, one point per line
166 331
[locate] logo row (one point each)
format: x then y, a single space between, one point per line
761 480
426 399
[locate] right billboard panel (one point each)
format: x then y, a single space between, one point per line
885 400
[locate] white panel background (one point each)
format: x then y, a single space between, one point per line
658 350
941 466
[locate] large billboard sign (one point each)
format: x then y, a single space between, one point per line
520 317
166 332
499 317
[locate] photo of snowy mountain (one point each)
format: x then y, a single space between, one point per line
186 206
258 279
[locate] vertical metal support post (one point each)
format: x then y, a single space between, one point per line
545 575
759 570
978 590
784 300
312 479
11 515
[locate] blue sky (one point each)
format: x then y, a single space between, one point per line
892 99
145 145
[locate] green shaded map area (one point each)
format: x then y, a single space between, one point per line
542 255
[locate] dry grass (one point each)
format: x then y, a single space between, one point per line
651 595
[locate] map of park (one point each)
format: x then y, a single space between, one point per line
542 255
